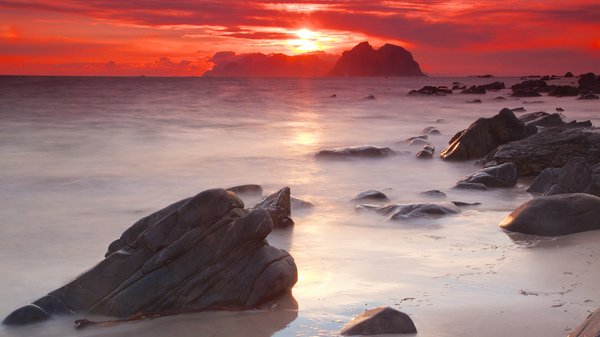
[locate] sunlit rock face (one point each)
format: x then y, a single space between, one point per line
555 215
365 61
206 250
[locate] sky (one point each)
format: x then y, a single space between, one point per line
179 37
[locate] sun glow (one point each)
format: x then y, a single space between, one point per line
308 41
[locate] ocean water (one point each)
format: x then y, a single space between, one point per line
83 158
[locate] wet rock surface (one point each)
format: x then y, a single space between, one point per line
413 211
366 151
555 215
577 176
279 207
204 250
504 175
370 194
588 328
484 135
378 321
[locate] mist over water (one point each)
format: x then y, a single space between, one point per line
83 158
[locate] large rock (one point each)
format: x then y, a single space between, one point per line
589 83
279 207
504 175
379 321
552 147
577 176
564 90
546 179
363 60
204 250
367 151
484 135
589 328
413 211
555 215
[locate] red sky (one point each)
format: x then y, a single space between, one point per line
178 37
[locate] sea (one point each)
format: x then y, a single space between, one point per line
83 158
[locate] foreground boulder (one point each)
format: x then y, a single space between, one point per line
590 327
201 251
367 151
555 215
552 147
484 135
504 175
413 211
379 321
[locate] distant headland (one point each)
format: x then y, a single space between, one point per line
362 61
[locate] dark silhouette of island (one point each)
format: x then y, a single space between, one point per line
363 61
261 65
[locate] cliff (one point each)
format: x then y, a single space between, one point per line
363 60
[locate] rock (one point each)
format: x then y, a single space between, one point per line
530 85
437 194
370 194
27 314
569 74
426 152
589 96
333 96
544 181
555 215
577 176
378 321
475 89
465 204
419 142
525 93
500 98
551 147
430 130
298 203
52 305
470 186
519 109
589 328
369 97
251 189
477 100
440 120
504 175
543 119
366 151
413 211
564 90
279 207
430 91
484 135
494 86
589 83
363 60
409 140
206 251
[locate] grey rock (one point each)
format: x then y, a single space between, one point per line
420 142
206 250
410 139
589 328
27 314
413 211
544 181
426 152
504 175
564 90
250 189
367 151
433 194
551 147
370 194
298 203
378 321
484 135
470 186
279 207
555 215
430 130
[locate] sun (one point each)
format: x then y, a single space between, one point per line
307 41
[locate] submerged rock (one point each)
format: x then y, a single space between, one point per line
436 194
206 250
504 175
430 130
367 151
279 207
555 215
413 211
370 194
378 321
252 189
484 135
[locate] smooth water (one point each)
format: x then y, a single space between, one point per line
83 158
